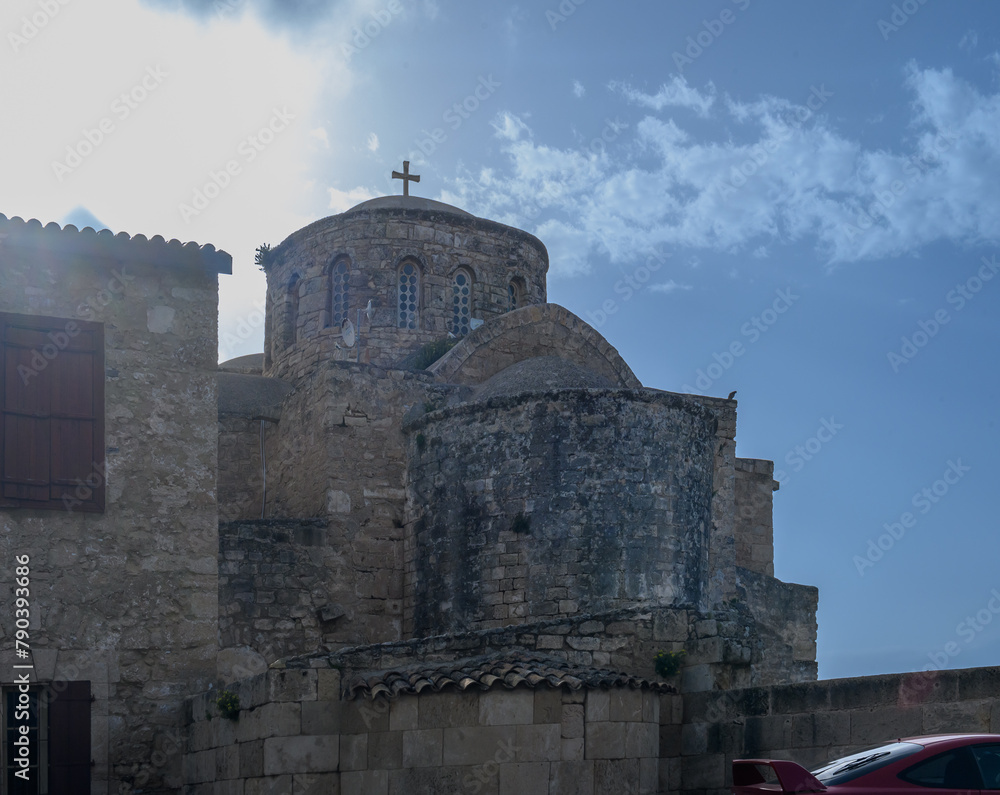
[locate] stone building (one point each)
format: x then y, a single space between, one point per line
433 538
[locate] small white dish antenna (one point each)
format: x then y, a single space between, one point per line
475 322
369 311
348 333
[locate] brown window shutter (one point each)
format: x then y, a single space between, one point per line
52 399
69 738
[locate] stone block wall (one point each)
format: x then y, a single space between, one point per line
295 735
754 527
553 504
721 649
128 598
812 722
375 242
240 476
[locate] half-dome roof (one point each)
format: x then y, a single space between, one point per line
541 374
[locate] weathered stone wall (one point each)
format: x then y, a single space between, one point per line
754 528
785 618
338 454
812 722
376 241
556 503
128 598
720 585
294 735
240 476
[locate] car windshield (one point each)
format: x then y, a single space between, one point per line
850 767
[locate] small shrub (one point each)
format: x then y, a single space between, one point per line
433 351
668 663
229 705
263 256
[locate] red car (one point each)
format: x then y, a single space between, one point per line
942 764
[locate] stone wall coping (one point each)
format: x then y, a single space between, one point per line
670 400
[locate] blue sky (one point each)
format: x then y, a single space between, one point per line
799 201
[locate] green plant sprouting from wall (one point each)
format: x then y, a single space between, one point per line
229 705
668 663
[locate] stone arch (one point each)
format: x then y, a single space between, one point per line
538 330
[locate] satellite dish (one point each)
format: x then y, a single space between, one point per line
475 322
369 311
347 332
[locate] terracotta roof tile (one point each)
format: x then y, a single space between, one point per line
88 242
507 669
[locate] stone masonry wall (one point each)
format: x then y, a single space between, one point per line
813 722
338 455
754 529
240 476
295 735
556 503
128 598
376 241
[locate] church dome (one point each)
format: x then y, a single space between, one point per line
408 203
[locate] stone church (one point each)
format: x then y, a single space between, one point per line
435 538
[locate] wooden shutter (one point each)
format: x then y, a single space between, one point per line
69 738
52 431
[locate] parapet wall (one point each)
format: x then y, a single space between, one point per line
812 722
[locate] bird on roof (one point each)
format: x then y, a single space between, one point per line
732 394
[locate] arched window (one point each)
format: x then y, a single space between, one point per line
513 296
409 294
339 297
461 310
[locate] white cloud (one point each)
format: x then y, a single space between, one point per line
674 94
781 173
578 89
372 143
669 287
969 41
343 200
320 135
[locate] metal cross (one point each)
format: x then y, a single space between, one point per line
406 176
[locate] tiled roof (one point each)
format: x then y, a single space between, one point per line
508 669
88 243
